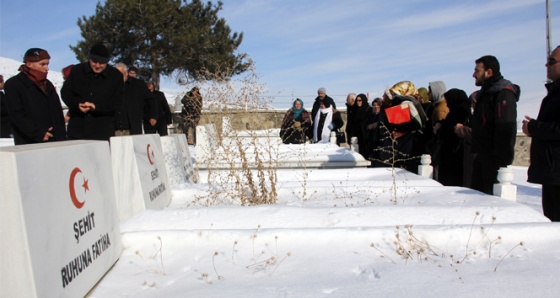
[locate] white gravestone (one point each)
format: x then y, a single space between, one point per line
192 176
174 162
59 229
206 142
140 175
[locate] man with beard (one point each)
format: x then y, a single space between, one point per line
493 123
33 105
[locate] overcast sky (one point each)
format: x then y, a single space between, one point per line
344 46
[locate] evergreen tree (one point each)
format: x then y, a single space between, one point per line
165 37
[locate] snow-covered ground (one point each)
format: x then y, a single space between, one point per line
342 233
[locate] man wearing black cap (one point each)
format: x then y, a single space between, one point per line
93 93
33 105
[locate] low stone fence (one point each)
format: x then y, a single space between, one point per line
268 119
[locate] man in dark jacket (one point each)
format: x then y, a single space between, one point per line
493 123
136 96
322 97
5 129
164 116
191 112
33 105
545 141
93 93
350 110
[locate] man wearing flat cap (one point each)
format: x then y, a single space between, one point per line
33 105
93 93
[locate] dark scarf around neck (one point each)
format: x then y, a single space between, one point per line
37 77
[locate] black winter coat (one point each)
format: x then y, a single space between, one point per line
5 128
545 142
163 110
350 131
33 112
104 89
336 122
494 120
361 118
317 105
451 151
136 97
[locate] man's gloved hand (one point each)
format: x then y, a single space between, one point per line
330 126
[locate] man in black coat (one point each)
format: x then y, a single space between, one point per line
191 112
164 116
136 96
545 141
5 129
33 105
350 110
93 92
494 123
322 97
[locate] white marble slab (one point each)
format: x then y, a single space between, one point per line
174 162
141 180
265 148
192 175
59 228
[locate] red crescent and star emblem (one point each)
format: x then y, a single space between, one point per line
150 154
85 185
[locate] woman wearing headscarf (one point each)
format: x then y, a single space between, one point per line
326 121
295 124
400 130
362 114
372 128
451 154
436 93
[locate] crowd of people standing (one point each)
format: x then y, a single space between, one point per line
103 101
468 137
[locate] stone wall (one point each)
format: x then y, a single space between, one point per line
266 119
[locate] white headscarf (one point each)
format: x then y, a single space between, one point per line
326 132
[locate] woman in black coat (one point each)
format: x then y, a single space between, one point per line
362 115
452 149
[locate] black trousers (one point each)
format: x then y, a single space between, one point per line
160 127
551 201
484 174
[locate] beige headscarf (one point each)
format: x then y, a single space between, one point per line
402 88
